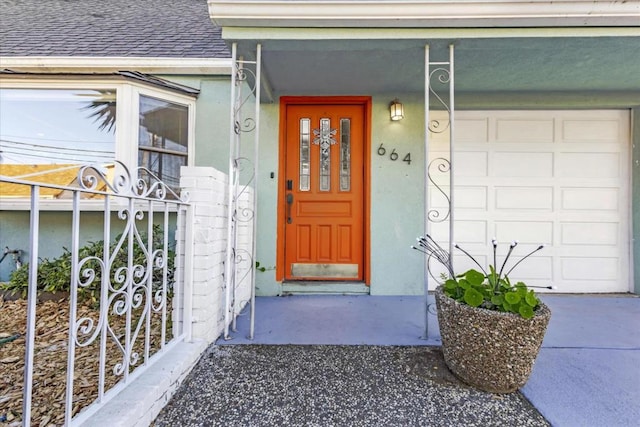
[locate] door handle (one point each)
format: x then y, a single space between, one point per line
289 203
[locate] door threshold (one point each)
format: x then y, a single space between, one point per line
324 288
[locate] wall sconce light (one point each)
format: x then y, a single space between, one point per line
397 110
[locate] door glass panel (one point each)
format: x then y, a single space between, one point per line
325 138
345 154
305 130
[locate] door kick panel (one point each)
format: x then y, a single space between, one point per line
347 271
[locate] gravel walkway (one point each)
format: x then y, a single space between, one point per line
258 385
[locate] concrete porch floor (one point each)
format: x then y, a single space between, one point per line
587 372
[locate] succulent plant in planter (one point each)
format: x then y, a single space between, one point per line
491 329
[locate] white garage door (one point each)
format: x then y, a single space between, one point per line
558 178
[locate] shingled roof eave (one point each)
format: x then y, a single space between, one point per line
90 65
119 75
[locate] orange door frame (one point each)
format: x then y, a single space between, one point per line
285 101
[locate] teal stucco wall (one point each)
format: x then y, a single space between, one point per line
54 234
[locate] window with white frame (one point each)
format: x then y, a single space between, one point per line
56 126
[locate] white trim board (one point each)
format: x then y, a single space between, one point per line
424 13
60 64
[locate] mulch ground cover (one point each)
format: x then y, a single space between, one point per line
50 359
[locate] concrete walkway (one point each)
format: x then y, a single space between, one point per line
587 373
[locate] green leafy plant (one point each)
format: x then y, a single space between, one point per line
262 268
491 290
477 290
54 275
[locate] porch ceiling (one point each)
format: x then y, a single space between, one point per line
546 67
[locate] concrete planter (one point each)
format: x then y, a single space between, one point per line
487 349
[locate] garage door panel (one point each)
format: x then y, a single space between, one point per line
473 164
531 198
471 197
534 268
521 164
590 269
464 263
579 131
467 197
472 130
535 232
473 231
588 165
590 199
525 130
589 233
555 177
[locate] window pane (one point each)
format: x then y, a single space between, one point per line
57 126
305 163
163 124
163 139
164 166
345 154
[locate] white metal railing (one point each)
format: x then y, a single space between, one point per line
137 311
244 72
438 74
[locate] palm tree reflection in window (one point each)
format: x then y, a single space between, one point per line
102 108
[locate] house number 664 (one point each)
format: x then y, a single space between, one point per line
393 155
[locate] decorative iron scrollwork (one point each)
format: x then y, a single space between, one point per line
244 76
143 183
443 166
241 208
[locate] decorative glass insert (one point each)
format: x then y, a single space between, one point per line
325 138
305 158
345 154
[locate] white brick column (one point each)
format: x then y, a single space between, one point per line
207 188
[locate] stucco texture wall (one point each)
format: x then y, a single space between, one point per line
397 198
55 233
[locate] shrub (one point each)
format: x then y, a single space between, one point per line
54 275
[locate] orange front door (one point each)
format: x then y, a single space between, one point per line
324 192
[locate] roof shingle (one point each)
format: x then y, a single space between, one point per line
140 28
